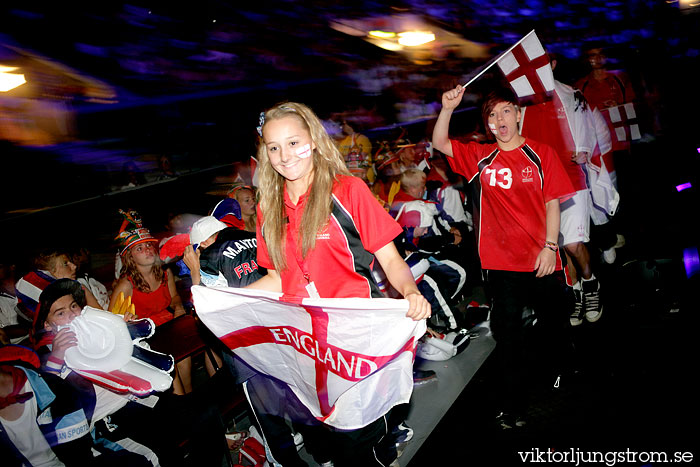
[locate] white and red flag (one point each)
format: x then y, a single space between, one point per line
526 67
348 360
622 120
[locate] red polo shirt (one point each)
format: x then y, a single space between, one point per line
331 264
512 189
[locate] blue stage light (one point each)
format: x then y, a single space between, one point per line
691 260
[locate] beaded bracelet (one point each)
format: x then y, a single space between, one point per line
552 246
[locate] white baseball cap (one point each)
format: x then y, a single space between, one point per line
205 228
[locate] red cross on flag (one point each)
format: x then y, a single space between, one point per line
527 69
622 120
348 360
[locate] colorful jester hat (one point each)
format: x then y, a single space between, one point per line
132 231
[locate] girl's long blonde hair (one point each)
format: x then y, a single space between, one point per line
328 163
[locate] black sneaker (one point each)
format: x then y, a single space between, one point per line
591 300
576 317
402 433
392 445
386 452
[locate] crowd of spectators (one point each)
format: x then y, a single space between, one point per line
409 178
149 53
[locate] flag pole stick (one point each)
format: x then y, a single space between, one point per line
494 61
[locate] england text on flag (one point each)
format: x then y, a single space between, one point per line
348 360
527 69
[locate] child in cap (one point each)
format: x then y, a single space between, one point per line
151 288
220 255
142 276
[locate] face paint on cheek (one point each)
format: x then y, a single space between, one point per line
304 151
492 127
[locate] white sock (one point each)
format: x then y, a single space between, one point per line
592 278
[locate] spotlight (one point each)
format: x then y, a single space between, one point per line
382 34
415 38
691 260
10 80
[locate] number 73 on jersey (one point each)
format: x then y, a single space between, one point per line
501 177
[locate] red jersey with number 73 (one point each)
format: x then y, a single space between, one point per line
511 189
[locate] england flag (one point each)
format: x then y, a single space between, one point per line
527 69
622 120
348 360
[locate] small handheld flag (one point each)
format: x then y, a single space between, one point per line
526 67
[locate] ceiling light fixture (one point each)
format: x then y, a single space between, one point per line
415 38
386 45
9 80
382 34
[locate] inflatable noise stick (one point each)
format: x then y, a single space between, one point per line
121 306
118 303
110 353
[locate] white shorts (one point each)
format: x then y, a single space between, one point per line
575 224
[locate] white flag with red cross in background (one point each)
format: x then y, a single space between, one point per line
623 123
348 360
